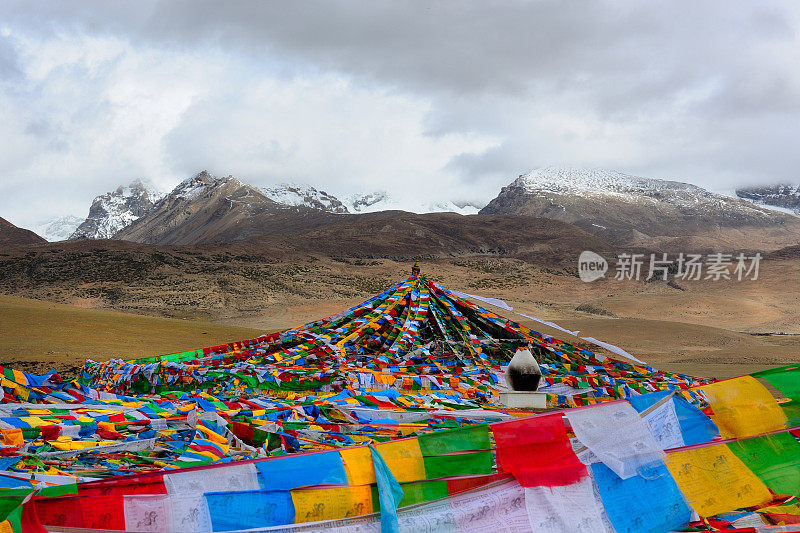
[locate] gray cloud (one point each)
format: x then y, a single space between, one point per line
411 96
9 63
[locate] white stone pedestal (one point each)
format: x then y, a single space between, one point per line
524 400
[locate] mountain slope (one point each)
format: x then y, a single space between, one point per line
627 209
11 235
115 210
402 236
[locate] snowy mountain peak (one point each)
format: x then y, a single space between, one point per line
115 210
304 195
383 201
462 208
599 183
370 202
195 186
58 229
594 181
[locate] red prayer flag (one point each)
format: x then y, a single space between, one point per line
92 512
50 432
29 520
124 485
537 452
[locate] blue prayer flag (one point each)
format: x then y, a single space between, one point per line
289 472
648 502
234 510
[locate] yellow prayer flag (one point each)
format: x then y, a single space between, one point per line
743 407
403 457
713 480
35 421
785 509
408 429
329 504
22 391
213 437
358 465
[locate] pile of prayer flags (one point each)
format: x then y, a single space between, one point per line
386 417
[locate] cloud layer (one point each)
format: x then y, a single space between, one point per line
449 99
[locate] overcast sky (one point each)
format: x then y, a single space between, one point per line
450 100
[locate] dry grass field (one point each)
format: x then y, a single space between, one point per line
36 336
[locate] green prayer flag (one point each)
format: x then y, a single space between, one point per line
458 464
775 459
58 490
465 439
11 499
423 491
785 379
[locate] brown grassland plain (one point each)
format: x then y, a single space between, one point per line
39 335
709 328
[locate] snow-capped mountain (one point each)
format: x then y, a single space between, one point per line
609 183
204 208
383 201
115 210
784 196
462 208
370 202
58 229
304 195
624 208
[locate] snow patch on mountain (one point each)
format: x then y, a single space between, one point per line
58 229
304 195
117 209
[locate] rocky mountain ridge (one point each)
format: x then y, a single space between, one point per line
783 196
116 210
